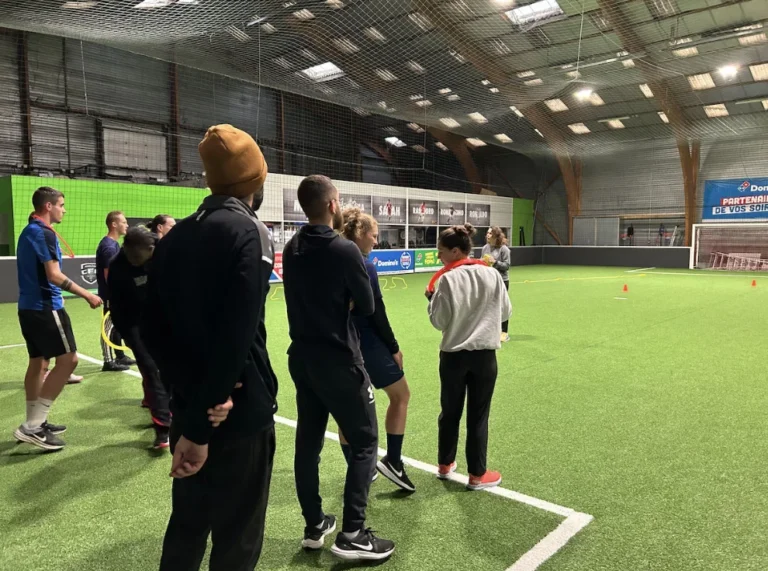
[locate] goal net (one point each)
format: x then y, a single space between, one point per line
734 247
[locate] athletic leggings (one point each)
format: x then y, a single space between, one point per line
505 325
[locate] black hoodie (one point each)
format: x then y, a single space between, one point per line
322 274
204 319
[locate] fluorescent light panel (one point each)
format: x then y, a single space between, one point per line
717 110
516 111
536 12
419 148
80 5
424 103
533 82
453 97
450 122
324 72
644 87
345 45
478 117
596 100
268 28
415 66
663 116
440 146
395 142
375 34
701 81
615 124
556 105
759 71
421 21
753 40
415 127
385 74
524 74
304 15
502 138
237 33
475 142
579 128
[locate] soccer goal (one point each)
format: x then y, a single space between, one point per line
733 247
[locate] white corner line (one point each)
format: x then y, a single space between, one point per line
552 543
12 346
640 270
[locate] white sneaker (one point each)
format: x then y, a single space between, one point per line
74 379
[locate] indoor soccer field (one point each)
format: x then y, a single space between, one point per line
643 409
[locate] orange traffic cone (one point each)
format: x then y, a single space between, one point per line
626 288
754 283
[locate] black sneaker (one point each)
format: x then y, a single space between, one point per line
40 437
395 473
125 360
162 439
54 429
364 546
114 367
314 537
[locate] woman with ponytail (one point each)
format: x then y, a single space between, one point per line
381 353
467 303
161 224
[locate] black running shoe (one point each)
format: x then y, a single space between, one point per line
314 537
162 438
39 437
114 367
125 360
54 429
364 546
395 473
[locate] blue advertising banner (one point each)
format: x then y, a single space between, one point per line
392 261
735 199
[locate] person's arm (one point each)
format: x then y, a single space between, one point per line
358 282
233 327
121 302
440 306
504 261
379 320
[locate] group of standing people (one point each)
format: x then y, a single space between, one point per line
204 294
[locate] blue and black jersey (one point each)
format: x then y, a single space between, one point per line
375 328
37 245
105 253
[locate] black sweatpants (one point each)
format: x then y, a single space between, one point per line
470 373
227 499
346 393
155 392
113 335
505 324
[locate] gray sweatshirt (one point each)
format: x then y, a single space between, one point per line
503 259
468 306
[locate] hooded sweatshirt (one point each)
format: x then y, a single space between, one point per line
203 321
323 275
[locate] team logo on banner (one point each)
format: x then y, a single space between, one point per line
88 272
405 260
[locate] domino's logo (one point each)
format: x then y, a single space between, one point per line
744 186
405 260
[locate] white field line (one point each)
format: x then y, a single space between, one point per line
640 270
707 275
574 521
12 346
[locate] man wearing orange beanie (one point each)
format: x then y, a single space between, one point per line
206 294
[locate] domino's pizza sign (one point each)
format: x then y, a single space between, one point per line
735 199
392 261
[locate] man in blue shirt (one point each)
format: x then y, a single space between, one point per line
108 248
44 322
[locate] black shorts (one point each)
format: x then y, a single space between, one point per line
48 332
380 365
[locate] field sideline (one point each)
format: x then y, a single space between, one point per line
645 409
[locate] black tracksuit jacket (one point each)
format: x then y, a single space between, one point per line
204 319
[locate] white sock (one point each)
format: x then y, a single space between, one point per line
30 412
351 534
39 413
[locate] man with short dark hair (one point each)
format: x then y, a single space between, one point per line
44 322
108 248
323 276
206 297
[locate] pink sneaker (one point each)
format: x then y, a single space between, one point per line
443 471
487 480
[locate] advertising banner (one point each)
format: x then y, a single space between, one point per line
389 210
451 213
392 261
735 199
292 211
479 215
277 270
427 261
357 200
422 212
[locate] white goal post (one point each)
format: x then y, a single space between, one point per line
730 246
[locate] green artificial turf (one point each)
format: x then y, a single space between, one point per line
648 413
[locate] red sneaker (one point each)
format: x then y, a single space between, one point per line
443 471
487 480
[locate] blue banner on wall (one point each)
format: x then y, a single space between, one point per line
735 199
392 261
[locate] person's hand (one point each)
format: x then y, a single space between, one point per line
188 458
219 413
489 260
398 357
428 294
94 300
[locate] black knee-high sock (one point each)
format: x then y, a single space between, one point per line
395 448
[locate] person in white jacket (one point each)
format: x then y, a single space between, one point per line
468 303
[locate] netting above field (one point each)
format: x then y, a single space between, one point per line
524 75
